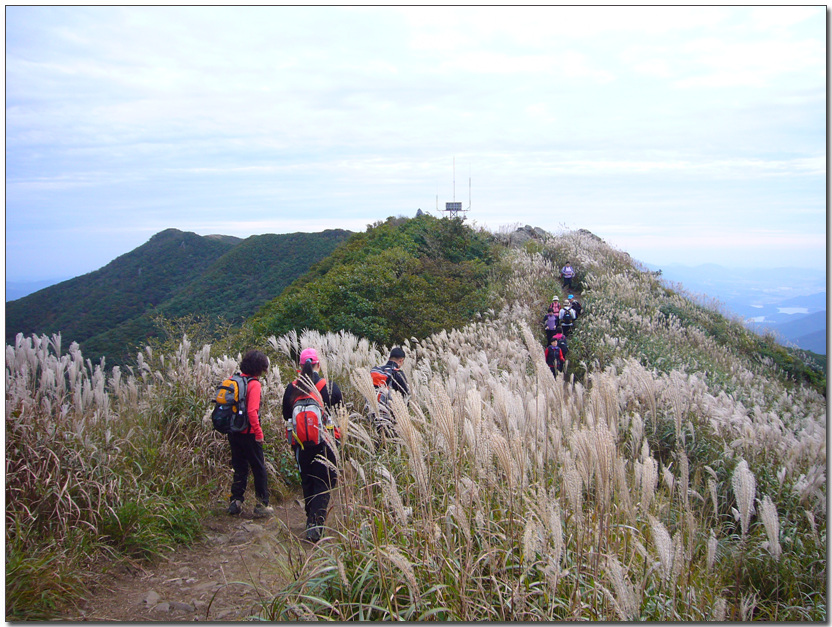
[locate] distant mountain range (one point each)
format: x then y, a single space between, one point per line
791 302
111 311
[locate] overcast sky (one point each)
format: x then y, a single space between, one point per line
678 134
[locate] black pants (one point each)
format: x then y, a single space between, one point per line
247 453
567 282
317 479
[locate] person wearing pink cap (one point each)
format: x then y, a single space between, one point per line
316 462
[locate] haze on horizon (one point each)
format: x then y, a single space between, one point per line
687 135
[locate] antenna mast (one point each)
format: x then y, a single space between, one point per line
454 179
469 194
453 209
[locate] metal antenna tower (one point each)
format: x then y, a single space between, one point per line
453 209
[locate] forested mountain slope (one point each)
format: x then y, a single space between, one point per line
675 472
401 278
110 312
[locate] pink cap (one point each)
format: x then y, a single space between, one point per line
308 353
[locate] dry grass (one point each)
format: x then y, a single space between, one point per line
504 494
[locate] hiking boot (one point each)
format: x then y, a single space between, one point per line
313 532
261 510
235 508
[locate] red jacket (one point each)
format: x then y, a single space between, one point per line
253 392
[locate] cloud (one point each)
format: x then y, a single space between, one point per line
146 117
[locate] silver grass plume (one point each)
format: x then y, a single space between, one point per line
714 502
500 447
668 478
391 494
456 514
720 608
442 413
581 444
605 456
649 479
625 601
664 547
413 442
712 545
395 557
768 512
745 486
678 555
747 604
623 489
531 541
810 516
574 490
363 382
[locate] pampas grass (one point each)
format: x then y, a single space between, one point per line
504 494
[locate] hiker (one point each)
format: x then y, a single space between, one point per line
554 306
316 460
563 348
566 273
576 306
567 318
389 378
398 380
551 321
556 353
247 446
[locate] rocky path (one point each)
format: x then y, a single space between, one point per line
241 562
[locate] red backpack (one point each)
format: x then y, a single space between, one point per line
309 421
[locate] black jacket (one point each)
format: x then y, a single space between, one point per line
398 380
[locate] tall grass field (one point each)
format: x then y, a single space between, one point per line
677 472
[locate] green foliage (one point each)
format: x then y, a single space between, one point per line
402 278
111 312
39 584
754 347
141 530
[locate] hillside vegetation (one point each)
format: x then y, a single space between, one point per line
112 312
678 473
399 279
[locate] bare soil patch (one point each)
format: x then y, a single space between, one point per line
225 577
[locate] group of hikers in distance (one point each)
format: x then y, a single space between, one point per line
559 322
309 403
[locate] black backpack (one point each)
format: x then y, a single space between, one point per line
564 349
230 415
568 316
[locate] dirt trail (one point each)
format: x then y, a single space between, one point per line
223 578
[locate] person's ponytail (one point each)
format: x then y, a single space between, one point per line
305 381
307 369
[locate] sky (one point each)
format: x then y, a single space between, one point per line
689 135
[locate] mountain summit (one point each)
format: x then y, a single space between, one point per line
110 312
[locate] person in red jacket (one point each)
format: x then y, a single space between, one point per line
247 446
